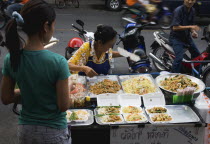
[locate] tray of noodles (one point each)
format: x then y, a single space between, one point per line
103 84
172 82
138 84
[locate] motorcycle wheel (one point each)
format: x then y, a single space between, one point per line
60 4
75 3
206 79
160 54
2 21
114 5
165 21
128 15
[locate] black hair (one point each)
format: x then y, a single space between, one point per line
104 33
35 13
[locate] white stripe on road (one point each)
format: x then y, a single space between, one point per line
64 14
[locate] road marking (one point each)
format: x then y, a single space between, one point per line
64 14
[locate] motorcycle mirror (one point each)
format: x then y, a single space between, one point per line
52 42
81 23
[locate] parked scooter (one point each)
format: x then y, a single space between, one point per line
134 43
163 56
132 15
75 43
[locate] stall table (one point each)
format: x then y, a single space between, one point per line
144 133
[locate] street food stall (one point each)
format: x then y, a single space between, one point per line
136 109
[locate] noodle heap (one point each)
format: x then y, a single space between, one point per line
178 82
105 86
138 85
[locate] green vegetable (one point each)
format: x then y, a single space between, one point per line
73 116
100 115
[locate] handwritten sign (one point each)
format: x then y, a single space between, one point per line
157 135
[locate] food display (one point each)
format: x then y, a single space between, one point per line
117 108
77 115
105 86
139 85
108 110
111 118
174 83
161 118
131 109
134 117
157 109
78 90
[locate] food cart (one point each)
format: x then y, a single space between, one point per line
120 115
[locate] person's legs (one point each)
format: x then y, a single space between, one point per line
13 7
178 48
193 49
32 134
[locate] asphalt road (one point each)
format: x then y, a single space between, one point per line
92 12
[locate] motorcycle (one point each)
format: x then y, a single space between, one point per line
4 18
75 43
162 56
134 43
132 15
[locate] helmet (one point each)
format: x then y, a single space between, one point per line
75 42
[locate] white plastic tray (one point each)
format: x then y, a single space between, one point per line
182 114
153 99
179 114
130 100
108 100
89 121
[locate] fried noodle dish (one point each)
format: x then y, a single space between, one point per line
178 82
108 110
157 110
134 117
139 85
105 86
131 109
111 118
161 117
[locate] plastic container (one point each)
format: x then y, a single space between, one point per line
153 99
108 100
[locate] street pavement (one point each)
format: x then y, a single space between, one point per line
92 12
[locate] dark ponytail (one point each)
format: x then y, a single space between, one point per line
13 43
34 13
104 33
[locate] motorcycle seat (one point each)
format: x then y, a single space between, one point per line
164 36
